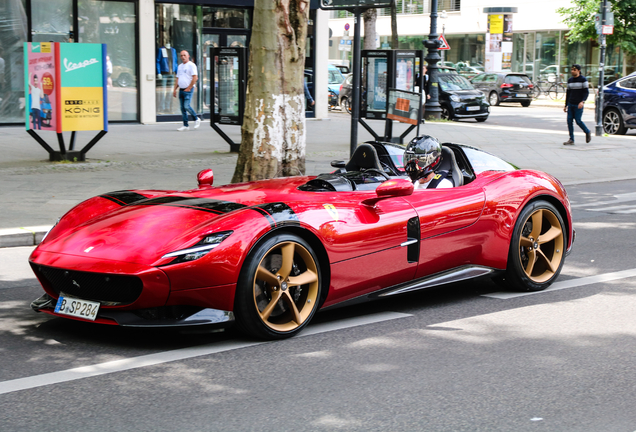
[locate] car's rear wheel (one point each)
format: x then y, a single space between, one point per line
525 104
124 80
279 288
493 99
345 106
613 123
537 248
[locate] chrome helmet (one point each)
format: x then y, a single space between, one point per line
422 155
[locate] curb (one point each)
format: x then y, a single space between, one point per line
23 236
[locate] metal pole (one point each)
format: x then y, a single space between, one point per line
601 75
357 72
433 108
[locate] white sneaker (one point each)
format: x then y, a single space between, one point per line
183 128
198 123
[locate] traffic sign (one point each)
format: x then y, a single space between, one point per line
608 30
445 45
347 27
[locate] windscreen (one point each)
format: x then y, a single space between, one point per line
454 82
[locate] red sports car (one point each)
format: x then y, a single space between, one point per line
269 254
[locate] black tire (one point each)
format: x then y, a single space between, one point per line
481 119
446 113
124 80
345 106
493 98
613 122
269 303
525 104
535 263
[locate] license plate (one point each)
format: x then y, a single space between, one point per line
77 307
521 95
473 108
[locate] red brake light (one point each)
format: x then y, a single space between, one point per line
506 85
341 88
530 86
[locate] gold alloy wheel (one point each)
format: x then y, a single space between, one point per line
286 286
541 245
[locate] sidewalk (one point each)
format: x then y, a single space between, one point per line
35 192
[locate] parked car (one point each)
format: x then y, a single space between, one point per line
468 71
459 99
505 87
346 89
333 83
619 105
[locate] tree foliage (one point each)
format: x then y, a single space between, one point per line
580 19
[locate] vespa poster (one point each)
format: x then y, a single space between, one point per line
82 87
40 86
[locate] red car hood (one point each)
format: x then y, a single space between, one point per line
144 231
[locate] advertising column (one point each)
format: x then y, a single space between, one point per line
499 43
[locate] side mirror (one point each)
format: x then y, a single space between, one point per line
395 188
205 178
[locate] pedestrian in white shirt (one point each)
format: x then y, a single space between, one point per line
186 80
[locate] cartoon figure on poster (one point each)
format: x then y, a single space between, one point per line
41 87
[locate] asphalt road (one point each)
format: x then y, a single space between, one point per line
458 358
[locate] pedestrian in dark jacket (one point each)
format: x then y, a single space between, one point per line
575 97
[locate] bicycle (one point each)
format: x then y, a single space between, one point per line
554 91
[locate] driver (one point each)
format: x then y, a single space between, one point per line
421 157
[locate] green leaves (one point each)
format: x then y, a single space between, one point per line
580 19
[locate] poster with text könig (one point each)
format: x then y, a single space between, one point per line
83 85
65 86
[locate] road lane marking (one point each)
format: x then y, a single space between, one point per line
179 354
572 283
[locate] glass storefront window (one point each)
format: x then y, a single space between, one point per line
114 23
226 18
176 30
52 21
13 34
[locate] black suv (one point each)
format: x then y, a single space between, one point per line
505 87
459 99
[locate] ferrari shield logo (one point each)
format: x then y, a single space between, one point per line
332 210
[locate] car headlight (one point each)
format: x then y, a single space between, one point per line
455 98
200 249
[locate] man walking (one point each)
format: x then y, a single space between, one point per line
575 97
186 79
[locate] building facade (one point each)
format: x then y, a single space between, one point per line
143 39
534 38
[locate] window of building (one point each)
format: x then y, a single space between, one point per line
114 24
176 30
13 34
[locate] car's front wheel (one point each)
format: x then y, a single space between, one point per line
613 123
537 248
278 289
446 115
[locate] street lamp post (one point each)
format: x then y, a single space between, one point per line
433 108
443 15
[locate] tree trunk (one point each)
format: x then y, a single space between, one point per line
395 44
370 16
273 131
